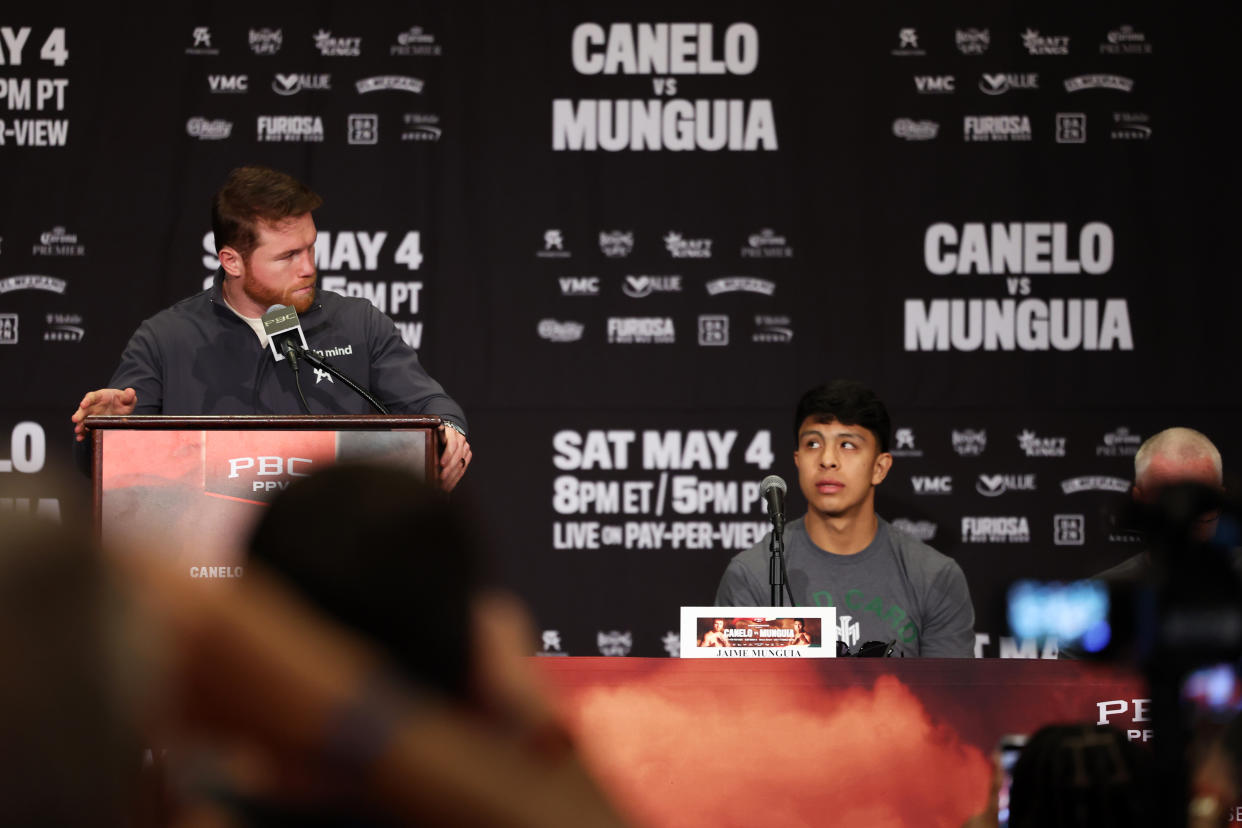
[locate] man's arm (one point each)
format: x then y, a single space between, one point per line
949 629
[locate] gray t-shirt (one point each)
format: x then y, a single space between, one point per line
896 588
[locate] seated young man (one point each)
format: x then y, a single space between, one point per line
842 554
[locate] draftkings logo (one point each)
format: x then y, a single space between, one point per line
990 529
1037 44
683 248
616 244
330 46
1035 446
615 643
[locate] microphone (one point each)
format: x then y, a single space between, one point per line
772 490
284 332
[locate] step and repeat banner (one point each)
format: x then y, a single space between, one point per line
627 237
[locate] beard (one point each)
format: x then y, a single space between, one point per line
266 297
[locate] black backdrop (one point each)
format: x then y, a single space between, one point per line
629 329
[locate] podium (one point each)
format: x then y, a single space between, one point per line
193 487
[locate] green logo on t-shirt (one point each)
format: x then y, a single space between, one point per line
857 601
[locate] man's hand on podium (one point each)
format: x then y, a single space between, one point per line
455 456
106 402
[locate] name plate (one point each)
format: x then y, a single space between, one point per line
758 632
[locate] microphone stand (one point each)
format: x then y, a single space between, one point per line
776 564
323 365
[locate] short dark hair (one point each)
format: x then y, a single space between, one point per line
846 402
377 549
253 194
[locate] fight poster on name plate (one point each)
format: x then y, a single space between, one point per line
758 632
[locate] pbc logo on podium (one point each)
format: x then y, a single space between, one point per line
254 466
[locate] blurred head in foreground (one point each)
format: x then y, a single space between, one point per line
72 676
1082 775
379 551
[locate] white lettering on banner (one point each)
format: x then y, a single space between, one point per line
48 93
37 132
1017 247
349 250
1009 324
27 449
663 49
389 297
656 124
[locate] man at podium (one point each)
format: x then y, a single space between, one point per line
209 354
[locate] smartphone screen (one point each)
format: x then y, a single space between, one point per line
1009 748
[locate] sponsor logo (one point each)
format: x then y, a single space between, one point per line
912 130
995 485
1119 443
1095 484
847 632
908 43
290 128
8 329
713 329
1124 40
682 248
228 84
330 46
641 330
935 84
1008 529
208 130
1130 126
970 443
363 129
321 375
201 42
639 287
1037 44
924 530
616 244
63 327
292 84
972 41
923 484
903 444
996 127
553 245
768 328
1000 83
58 242
555 331
217 571
1035 446
579 285
767 245
550 644
1069 530
266 41
32 282
421 126
414 42
1080 82
672 644
615 643
740 284
390 83
1071 128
